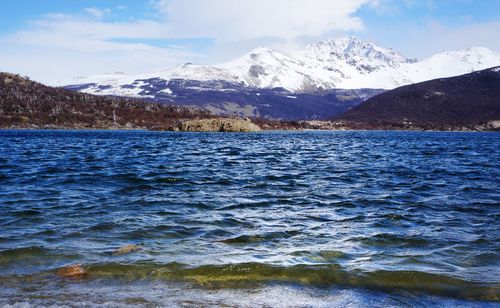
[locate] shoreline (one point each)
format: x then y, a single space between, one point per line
262 131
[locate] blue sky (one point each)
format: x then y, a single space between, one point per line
56 40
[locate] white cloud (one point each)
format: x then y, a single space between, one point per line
68 31
97 12
60 46
250 19
435 37
56 66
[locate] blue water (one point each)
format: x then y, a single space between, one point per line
322 218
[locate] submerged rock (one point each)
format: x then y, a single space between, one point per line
218 125
71 271
126 249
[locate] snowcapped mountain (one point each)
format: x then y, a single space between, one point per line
344 63
442 65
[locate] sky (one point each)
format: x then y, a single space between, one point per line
53 41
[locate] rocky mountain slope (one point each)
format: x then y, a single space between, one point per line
447 103
318 82
225 99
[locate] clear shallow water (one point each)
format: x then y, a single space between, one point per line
345 218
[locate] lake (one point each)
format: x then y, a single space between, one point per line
316 219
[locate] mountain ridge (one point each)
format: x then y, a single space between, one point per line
344 63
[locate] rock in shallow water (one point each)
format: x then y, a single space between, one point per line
72 271
126 249
218 125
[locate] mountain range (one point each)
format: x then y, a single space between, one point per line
323 80
466 102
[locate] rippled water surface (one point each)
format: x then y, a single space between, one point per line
274 218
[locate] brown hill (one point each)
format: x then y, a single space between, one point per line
467 101
28 104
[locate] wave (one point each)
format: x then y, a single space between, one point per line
248 275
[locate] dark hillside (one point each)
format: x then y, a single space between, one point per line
447 103
28 104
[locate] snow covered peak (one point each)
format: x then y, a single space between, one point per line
261 55
352 48
268 68
261 50
347 46
441 65
474 55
